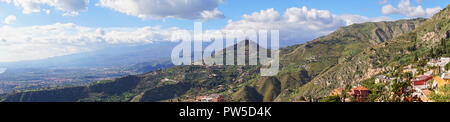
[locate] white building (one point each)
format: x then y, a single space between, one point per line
441 62
383 79
207 99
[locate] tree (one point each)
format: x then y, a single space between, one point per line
420 70
376 92
331 99
408 75
398 88
416 58
447 66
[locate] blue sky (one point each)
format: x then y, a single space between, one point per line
31 29
232 9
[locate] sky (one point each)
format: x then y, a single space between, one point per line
39 29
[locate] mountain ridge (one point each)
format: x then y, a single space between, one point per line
367 62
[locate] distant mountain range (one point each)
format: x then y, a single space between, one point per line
110 56
345 57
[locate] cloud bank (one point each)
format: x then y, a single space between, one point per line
298 25
38 42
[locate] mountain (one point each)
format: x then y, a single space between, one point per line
345 57
108 56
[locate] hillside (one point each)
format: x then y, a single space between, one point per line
416 46
345 57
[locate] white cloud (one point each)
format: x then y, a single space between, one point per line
10 19
298 25
71 7
160 9
207 15
38 42
47 11
268 15
404 8
352 19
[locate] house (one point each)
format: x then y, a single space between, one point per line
211 98
433 62
199 98
446 76
383 79
421 82
430 72
420 86
441 62
406 68
206 99
359 93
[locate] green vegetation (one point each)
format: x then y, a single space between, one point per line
442 96
331 99
377 91
447 67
